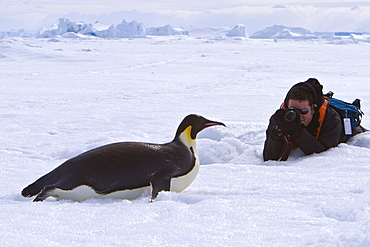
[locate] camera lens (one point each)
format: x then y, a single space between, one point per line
290 116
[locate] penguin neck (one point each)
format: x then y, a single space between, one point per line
185 138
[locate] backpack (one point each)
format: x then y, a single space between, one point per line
350 113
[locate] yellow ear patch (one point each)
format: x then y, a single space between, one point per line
187 133
185 137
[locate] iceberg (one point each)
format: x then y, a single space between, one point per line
237 31
125 29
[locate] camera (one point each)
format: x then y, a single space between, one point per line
292 112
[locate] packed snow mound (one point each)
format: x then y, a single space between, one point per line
237 31
283 32
166 31
220 145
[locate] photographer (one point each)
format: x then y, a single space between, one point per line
304 121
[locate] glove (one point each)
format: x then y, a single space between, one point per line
274 130
291 121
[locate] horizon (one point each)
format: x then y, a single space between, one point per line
316 16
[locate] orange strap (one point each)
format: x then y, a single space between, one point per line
322 113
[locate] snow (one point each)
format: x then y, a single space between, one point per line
62 96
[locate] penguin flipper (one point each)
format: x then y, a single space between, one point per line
33 189
39 185
159 182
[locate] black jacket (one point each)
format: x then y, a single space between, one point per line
330 136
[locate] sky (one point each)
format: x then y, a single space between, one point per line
316 15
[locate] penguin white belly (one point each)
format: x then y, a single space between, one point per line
179 184
84 192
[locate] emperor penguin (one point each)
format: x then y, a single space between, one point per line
126 170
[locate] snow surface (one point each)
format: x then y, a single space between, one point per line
62 96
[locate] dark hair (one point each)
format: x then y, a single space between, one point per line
300 92
310 90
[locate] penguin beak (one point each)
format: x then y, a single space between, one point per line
212 123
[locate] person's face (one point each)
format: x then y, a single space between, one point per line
306 118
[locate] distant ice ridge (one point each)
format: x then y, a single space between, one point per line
298 33
165 31
283 32
16 33
134 29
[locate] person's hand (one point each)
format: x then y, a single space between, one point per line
274 129
291 121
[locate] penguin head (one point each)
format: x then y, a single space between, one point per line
192 125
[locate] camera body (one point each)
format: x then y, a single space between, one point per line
292 113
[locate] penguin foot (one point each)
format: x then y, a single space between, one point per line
44 193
